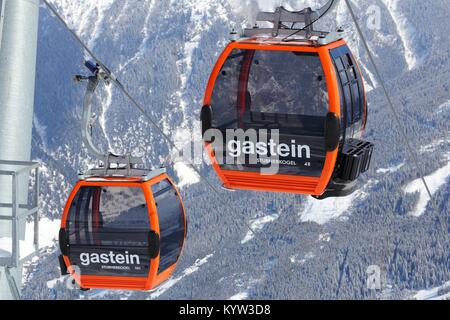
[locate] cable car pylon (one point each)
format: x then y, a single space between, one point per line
18 47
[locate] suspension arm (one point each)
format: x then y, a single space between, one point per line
88 120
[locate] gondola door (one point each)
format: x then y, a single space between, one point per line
172 226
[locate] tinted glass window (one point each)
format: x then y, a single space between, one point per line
288 83
281 90
108 231
351 90
349 108
263 81
171 223
224 99
357 103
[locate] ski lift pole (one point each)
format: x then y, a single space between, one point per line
2 16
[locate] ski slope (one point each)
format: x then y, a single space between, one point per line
435 182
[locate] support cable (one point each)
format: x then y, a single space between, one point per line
410 149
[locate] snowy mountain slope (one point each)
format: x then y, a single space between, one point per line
257 225
407 34
171 282
163 52
437 293
435 181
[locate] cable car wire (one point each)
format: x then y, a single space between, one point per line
123 89
411 151
209 183
287 231
397 119
145 113
310 24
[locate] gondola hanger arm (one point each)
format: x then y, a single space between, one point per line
306 16
284 15
99 74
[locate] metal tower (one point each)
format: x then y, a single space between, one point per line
18 46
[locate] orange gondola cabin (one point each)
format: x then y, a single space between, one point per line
304 84
122 232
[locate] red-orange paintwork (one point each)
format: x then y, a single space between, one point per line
280 183
127 283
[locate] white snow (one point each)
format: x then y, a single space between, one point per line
203 14
269 5
324 237
435 181
171 282
322 211
433 146
201 20
257 225
433 293
391 169
86 17
189 48
405 30
52 283
306 257
186 174
149 5
443 107
41 130
239 296
48 232
184 139
245 286
6 247
373 81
